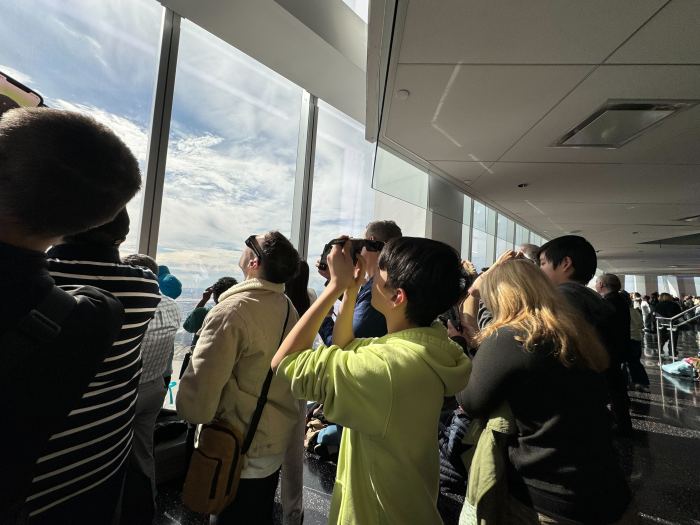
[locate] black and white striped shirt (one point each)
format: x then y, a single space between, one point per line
95 440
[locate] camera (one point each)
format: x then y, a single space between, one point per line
356 248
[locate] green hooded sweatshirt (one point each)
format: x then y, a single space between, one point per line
387 392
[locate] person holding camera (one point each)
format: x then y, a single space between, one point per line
366 320
387 392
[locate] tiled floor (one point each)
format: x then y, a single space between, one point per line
662 459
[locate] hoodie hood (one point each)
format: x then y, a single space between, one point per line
445 357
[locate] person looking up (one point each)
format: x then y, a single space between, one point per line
60 173
569 262
195 319
546 363
230 364
298 291
367 321
388 465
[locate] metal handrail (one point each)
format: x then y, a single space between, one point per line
678 315
671 327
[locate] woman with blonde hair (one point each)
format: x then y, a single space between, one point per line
546 362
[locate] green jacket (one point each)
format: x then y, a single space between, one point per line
487 496
387 392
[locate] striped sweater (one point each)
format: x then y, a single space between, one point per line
95 441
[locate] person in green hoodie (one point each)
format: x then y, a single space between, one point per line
387 392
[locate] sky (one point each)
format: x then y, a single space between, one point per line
234 129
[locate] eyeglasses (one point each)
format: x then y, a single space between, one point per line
373 246
252 243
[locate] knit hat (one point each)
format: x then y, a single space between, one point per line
169 284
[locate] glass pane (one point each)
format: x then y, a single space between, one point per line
444 199
467 211
490 221
522 235
502 245
231 163
505 228
98 58
397 177
630 284
343 199
479 216
466 248
482 249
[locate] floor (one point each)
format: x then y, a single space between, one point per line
662 459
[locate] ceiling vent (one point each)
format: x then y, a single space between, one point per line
620 121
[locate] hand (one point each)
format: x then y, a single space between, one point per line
206 295
505 256
466 331
323 273
344 274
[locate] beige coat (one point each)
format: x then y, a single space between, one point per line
231 360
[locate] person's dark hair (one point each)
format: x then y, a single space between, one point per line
577 248
280 259
221 286
429 271
611 282
383 230
297 289
637 295
112 233
62 172
647 298
140 259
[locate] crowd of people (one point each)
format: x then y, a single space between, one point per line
531 365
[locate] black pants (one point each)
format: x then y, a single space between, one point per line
254 503
619 400
638 374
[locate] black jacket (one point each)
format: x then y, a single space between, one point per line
40 383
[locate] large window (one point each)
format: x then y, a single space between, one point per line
231 162
343 200
98 58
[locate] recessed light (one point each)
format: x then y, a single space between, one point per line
403 94
467 181
635 233
523 185
619 121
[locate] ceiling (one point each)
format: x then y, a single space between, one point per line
493 84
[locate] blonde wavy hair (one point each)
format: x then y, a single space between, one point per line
521 297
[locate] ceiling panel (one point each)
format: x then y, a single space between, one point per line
590 183
516 32
674 141
652 43
472 113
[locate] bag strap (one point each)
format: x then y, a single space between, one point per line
43 323
263 394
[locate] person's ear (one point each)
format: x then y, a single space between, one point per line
567 264
399 297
